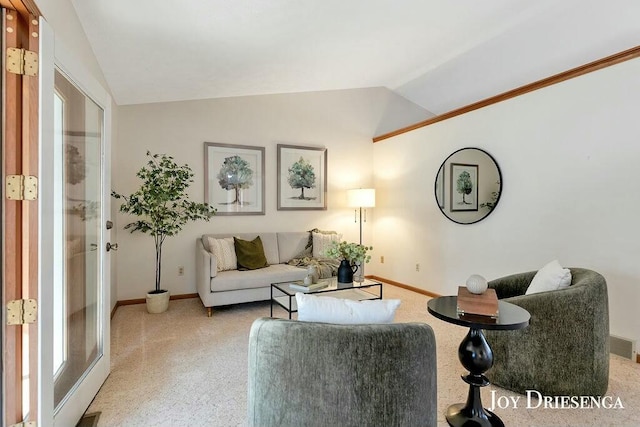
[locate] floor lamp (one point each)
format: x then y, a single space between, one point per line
361 198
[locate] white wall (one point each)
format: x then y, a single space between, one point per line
62 17
342 121
569 156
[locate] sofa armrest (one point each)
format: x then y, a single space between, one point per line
206 268
513 285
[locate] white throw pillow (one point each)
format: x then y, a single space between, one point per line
225 252
550 278
312 308
322 242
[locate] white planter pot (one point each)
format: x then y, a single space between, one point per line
158 303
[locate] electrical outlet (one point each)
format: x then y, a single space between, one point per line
181 271
417 266
381 259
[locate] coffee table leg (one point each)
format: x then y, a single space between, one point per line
475 354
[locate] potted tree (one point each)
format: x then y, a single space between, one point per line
163 206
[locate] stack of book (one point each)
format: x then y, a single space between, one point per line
300 286
484 304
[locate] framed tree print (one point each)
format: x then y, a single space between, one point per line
464 187
234 178
302 178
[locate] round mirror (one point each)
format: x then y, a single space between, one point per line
468 185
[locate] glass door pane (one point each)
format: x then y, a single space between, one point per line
78 192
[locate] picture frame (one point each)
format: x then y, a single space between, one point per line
234 178
302 178
464 187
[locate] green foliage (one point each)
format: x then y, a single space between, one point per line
235 174
464 185
162 203
491 204
75 171
302 175
494 199
86 210
352 252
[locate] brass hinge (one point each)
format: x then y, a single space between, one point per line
22 311
22 61
25 424
20 187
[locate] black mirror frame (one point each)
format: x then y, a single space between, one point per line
435 185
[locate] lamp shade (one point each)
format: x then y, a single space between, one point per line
361 198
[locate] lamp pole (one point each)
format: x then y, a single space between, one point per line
360 277
361 225
361 198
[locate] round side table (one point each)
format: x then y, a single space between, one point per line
476 355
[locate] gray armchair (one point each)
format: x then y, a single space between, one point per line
318 374
565 349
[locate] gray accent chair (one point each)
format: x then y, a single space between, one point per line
565 349
320 374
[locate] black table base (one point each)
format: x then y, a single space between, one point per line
458 416
475 354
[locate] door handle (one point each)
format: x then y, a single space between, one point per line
112 247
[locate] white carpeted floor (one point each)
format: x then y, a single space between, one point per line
181 368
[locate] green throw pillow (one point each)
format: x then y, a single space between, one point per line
250 254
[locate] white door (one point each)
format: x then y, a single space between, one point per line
74 279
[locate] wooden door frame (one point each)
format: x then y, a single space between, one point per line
20 218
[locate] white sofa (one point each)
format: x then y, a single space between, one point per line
234 286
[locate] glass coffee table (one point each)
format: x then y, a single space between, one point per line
284 295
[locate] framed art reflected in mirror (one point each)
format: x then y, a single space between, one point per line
464 187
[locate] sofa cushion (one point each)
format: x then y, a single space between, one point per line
225 253
250 254
550 278
235 279
269 243
322 242
291 244
313 308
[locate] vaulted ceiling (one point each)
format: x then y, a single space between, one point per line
440 54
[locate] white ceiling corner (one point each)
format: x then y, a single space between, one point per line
437 53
